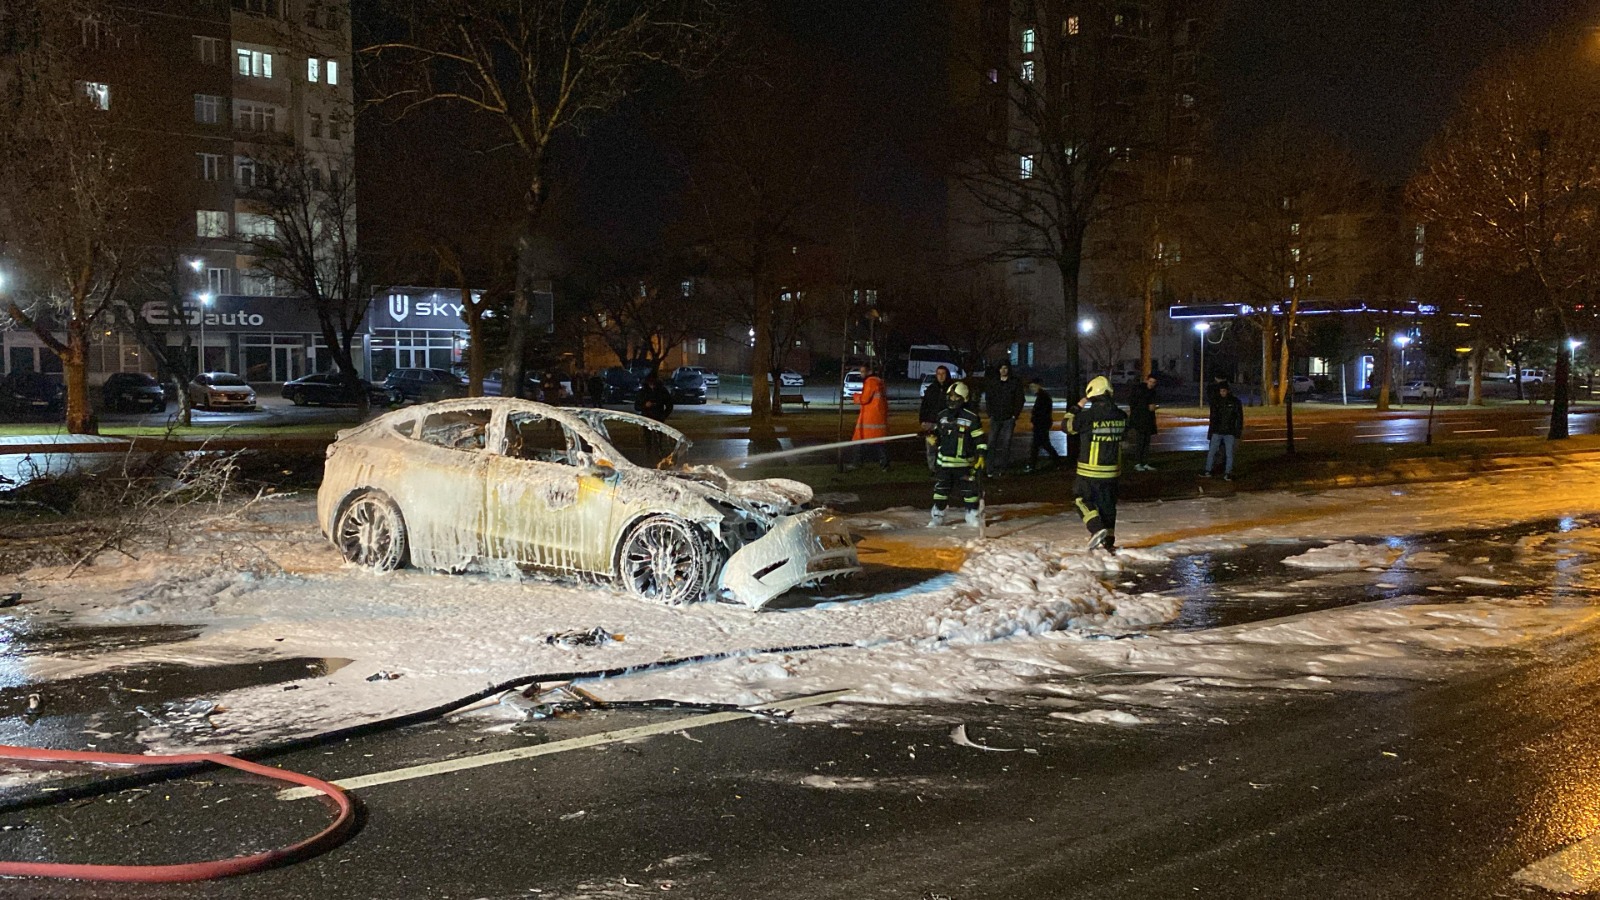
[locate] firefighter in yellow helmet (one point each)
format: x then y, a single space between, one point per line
959 447
1100 425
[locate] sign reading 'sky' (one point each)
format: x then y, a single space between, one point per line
409 307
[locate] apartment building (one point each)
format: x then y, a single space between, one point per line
1086 112
213 92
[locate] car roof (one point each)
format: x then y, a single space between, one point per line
565 415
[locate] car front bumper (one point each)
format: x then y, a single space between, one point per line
806 547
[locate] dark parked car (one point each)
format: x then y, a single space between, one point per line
426 385
688 386
621 385
328 389
32 394
133 392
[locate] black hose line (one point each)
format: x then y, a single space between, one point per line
158 774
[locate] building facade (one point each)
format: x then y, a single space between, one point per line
215 93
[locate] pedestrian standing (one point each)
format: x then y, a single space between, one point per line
1005 405
1101 424
1142 422
597 389
960 447
1227 426
872 422
1043 415
933 401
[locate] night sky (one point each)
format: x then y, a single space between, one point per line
1381 75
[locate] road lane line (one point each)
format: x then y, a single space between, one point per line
1572 870
593 740
1475 431
1385 434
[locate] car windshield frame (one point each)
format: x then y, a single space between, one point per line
596 417
224 379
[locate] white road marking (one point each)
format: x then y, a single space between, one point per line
1385 434
1571 870
1475 431
594 740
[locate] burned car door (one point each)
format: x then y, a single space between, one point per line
443 485
549 504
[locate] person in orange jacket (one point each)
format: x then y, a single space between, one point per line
872 422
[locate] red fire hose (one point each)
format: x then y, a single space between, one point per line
198 871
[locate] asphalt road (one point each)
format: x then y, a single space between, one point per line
1439 788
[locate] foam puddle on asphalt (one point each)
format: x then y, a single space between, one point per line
1548 560
112 706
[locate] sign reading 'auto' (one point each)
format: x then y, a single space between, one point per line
234 313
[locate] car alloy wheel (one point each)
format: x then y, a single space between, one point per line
663 560
298 398
371 533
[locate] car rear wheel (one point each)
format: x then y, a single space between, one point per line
298 398
370 532
664 560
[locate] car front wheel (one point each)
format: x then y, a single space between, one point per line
370 532
665 561
298 398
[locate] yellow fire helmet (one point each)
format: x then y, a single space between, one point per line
1098 385
959 389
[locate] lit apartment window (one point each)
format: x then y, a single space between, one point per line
687 288
254 63
1027 70
994 76
255 117
210 166
1070 26
872 296
1025 165
207 109
313 70
210 223
1029 39
1294 253
98 92
208 50
700 346
256 225
219 281
316 125
330 71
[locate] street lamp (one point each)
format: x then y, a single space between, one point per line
1201 328
1402 341
1085 326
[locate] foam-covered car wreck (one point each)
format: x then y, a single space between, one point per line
491 483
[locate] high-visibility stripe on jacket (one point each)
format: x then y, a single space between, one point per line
873 420
959 439
1103 424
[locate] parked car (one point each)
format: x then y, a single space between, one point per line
713 380
791 378
221 390
1535 376
1421 390
425 385
32 394
853 382
133 392
329 389
622 386
687 386
511 483
1303 384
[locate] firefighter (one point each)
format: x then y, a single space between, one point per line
1100 424
959 451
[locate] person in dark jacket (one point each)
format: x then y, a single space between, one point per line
655 402
933 403
1142 422
597 389
1044 418
1101 423
1005 405
959 441
1227 426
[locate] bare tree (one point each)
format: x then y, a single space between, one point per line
302 234
536 69
1511 185
69 193
642 317
979 312
160 300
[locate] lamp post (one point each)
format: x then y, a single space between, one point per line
1572 365
1402 341
1201 328
205 304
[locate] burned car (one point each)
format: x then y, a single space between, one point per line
496 483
